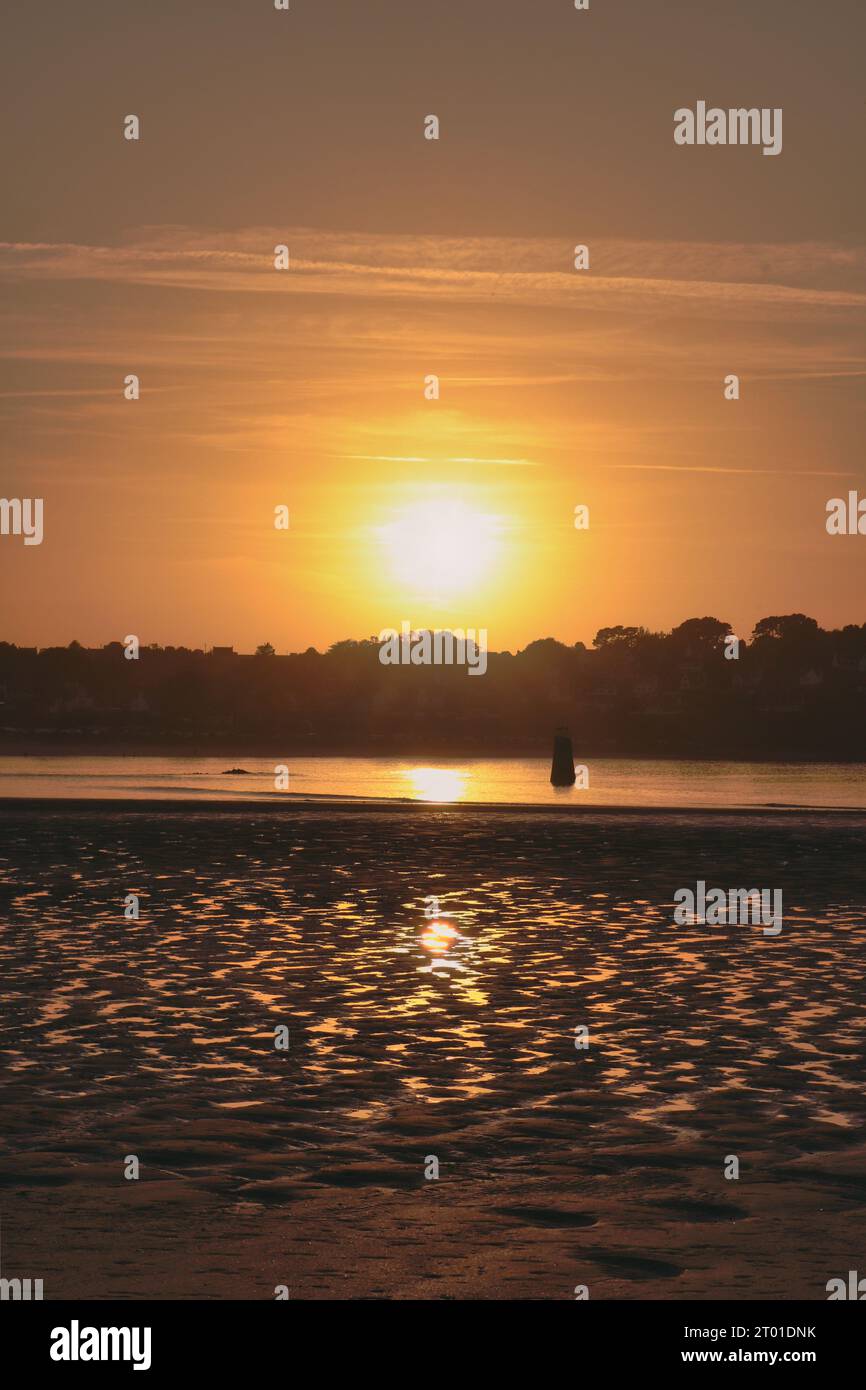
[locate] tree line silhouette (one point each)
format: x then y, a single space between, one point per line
793 690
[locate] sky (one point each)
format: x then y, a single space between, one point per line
305 388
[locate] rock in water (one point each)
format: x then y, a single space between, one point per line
562 769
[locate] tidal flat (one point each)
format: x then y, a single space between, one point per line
421 1029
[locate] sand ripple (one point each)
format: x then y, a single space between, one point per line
451 1036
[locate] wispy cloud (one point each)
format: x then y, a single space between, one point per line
393 458
757 472
797 278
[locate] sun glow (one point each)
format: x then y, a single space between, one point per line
441 547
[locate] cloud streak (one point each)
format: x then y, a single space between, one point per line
684 277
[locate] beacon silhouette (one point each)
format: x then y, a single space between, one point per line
562 767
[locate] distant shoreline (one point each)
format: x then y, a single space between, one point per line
286 805
233 751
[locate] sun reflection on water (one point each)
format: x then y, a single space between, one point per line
436 783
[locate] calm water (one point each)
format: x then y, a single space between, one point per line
515 781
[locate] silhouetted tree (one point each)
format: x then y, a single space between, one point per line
794 691
616 636
795 627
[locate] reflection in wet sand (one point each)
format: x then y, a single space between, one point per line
442 940
451 1035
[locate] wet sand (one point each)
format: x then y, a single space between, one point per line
558 1167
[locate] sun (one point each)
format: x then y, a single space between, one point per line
442 546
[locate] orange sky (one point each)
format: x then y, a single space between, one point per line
411 257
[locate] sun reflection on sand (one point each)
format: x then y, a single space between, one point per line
440 936
439 939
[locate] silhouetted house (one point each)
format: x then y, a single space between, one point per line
73 699
223 651
647 687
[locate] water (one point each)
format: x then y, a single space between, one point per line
514 781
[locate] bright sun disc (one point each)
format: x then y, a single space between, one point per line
440 547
